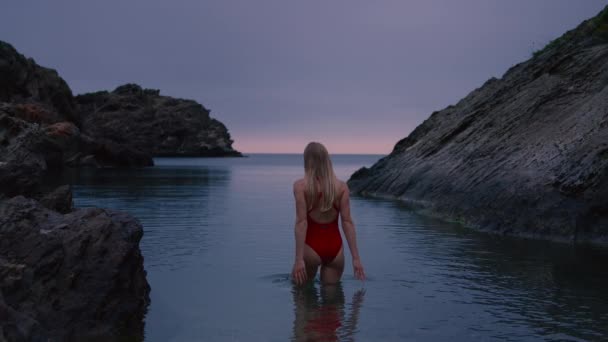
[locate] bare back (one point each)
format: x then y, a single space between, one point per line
330 215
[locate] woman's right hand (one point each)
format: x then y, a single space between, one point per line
298 274
358 269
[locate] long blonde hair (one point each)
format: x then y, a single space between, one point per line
318 166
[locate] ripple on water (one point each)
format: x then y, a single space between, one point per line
218 245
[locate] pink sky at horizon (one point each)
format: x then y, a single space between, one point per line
352 139
359 134
297 145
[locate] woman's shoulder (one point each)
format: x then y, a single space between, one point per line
341 185
299 184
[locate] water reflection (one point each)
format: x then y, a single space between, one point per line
176 205
148 182
320 315
557 289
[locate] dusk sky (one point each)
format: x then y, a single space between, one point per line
355 75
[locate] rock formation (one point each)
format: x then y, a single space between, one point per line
126 127
155 124
35 101
526 154
76 276
65 274
44 96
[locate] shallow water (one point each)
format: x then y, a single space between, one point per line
218 247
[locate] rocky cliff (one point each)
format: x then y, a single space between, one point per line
36 99
125 127
65 274
37 89
526 154
155 124
69 275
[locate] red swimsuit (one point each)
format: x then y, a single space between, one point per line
324 238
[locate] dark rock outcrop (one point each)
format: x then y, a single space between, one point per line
525 155
30 151
65 274
155 124
22 81
70 277
26 155
42 102
59 200
125 127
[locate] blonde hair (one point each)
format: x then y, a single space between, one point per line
318 166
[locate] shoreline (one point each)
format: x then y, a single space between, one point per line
424 208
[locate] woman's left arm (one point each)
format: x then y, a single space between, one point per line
348 227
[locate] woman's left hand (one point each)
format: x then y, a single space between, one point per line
358 269
298 274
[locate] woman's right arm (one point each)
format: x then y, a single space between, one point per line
348 226
298 272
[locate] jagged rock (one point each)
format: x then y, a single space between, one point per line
526 154
59 200
40 97
22 81
154 124
26 155
14 325
70 277
50 147
65 275
104 153
125 127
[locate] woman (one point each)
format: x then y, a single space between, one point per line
320 199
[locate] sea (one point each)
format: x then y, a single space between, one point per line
218 248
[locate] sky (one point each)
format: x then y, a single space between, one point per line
355 75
